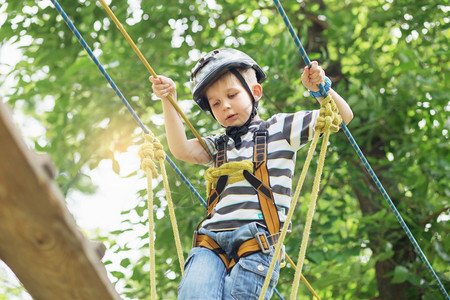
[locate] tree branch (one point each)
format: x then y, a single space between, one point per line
434 216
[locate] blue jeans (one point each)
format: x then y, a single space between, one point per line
205 275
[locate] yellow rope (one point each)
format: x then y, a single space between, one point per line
308 222
325 122
173 218
153 150
310 288
233 169
147 164
150 69
294 200
329 120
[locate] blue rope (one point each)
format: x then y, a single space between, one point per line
297 42
366 163
119 93
278 294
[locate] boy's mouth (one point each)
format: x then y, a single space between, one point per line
231 117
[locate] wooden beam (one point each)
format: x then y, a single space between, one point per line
38 238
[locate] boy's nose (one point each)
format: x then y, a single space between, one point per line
226 104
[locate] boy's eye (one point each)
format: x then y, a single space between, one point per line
231 95
216 103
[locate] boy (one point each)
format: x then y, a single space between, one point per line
226 82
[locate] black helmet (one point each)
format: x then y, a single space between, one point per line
215 64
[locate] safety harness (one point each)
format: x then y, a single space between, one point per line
259 180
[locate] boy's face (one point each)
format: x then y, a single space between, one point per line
229 101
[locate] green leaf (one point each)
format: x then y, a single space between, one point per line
401 274
116 166
125 262
385 255
117 274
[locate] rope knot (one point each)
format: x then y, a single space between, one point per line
329 118
148 152
160 155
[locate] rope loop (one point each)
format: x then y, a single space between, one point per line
234 170
329 118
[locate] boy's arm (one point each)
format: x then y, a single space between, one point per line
311 79
187 150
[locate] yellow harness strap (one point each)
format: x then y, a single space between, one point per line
260 243
265 196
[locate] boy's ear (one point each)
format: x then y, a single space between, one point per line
257 91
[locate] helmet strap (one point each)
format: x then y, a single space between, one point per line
235 132
244 83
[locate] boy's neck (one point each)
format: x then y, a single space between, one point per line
236 132
255 118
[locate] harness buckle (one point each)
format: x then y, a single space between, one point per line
194 239
221 142
264 250
259 133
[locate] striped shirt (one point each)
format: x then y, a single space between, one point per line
238 204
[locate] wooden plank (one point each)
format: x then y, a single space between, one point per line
38 238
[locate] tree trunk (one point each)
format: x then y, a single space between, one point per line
371 203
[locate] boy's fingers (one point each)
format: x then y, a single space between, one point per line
158 79
315 67
316 76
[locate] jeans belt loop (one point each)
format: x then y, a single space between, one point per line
194 239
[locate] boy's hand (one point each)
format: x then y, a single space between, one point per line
163 87
311 77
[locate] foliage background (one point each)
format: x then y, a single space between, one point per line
389 59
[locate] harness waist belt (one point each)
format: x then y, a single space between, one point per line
261 242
